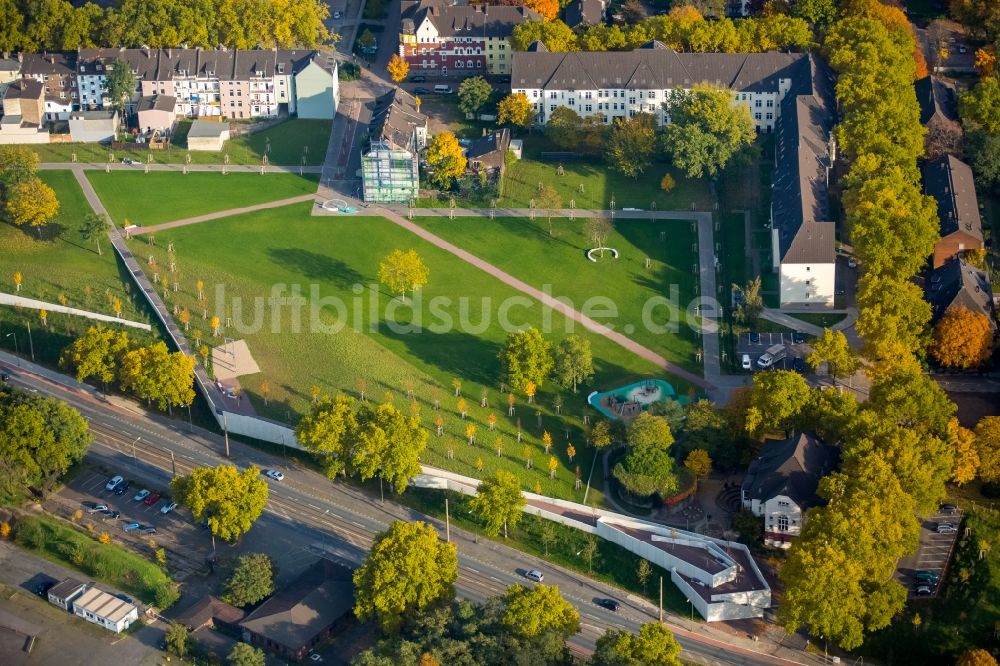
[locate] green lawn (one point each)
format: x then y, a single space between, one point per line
526 250
167 196
287 246
289 142
60 266
819 319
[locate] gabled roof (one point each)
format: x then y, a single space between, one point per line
937 99
395 119
24 89
206 609
584 12
158 103
299 612
490 150
466 20
52 64
958 283
66 587
791 467
223 64
949 180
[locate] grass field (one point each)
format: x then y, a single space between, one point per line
245 256
60 266
110 563
287 141
526 250
820 319
170 196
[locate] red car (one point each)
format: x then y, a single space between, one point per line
152 499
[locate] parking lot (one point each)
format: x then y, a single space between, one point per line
755 344
933 554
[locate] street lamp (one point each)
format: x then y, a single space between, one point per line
11 335
134 460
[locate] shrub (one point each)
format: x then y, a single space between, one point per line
4 530
667 183
104 537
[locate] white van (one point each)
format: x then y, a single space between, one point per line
443 89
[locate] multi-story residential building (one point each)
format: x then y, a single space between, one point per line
459 40
781 91
949 180
957 283
57 72
231 84
390 166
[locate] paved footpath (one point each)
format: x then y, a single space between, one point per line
178 168
302 198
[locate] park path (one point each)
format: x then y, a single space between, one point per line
178 168
302 198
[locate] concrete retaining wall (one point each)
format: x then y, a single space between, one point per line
32 304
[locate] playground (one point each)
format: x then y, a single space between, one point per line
629 401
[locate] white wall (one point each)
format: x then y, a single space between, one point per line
807 283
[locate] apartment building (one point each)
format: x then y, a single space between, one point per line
390 166
57 73
440 39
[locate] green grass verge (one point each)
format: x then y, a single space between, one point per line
966 613
155 197
289 142
558 263
287 246
613 564
61 266
109 563
818 318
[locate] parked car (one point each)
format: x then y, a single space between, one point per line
755 338
535 575
746 362
152 499
610 604
4 377
927 575
852 262
95 508
124 597
420 91
167 508
128 161
419 78
113 482
123 487
108 513
147 529
798 337
141 495
337 15
799 365
946 528
275 474
128 527
924 590
948 509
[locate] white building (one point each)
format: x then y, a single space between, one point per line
56 72
780 485
93 126
782 93
63 593
106 610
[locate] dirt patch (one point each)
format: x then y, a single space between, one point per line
233 359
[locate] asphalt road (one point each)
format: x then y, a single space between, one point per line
341 519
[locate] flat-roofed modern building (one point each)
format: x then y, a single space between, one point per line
106 610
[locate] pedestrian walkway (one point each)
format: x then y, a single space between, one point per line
32 304
178 168
220 214
787 318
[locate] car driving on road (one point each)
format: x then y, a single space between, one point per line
610 604
275 474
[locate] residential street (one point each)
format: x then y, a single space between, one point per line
340 518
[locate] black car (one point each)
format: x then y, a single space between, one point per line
125 598
755 338
420 91
4 377
108 513
949 509
123 487
419 78
798 337
610 604
799 365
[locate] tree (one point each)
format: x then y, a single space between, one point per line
667 183
632 11
473 93
777 400
243 654
366 40
407 570
31 203
228 500
540 610
598 229
654 646
446 158
525 358
980 107
706 131
643 572
156 375
252 580
97 353
93 227
988 447
699 463
966 456
817 12
549 199
18 164
752 303
177 639
706 427
549 9
647 470
388 444
631 143
515 109
498 503
329 430
600 436
401 270
121 85
962 338
398 68
977 657
573 362
833 349
649 430
556 35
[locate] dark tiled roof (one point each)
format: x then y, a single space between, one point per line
395 118
158 103
960 284
206 609
59 64
491 149
949 180
65 587
586 12
298 613
466 20
25 89
937 99
226 65
790 467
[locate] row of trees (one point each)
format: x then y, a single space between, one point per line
980 112
40 438
527 360
706 132
59 25
407 585
683 29
151 372
26 200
